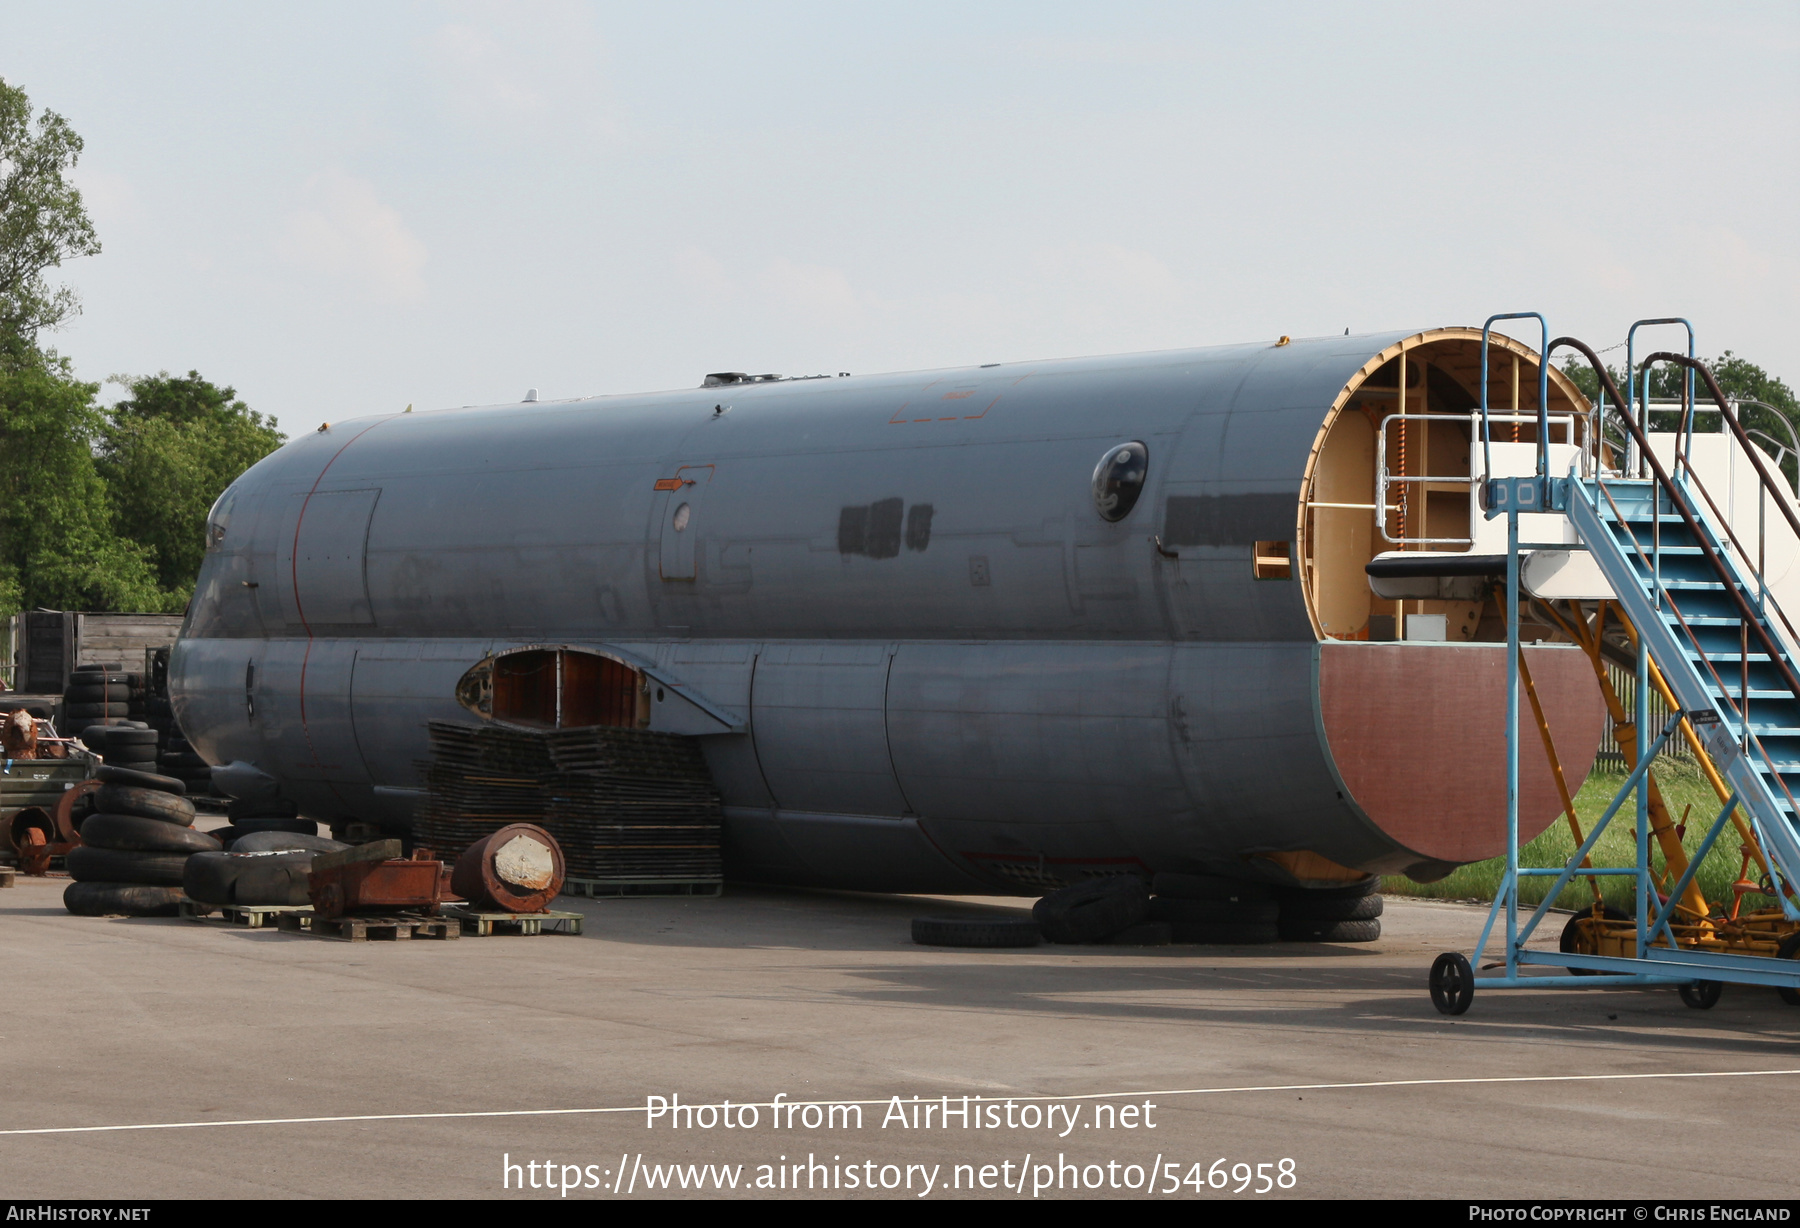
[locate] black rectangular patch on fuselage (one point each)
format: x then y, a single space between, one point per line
1227 520
876 530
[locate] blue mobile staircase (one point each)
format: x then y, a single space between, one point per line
1698 607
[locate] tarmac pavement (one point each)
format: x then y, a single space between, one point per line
772 996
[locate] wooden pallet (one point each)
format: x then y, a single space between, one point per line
397 928
604 888
250 916
485 924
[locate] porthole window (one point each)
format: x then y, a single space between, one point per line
681 517
1119 480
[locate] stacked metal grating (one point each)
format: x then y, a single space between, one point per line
632 805
626 805
478 780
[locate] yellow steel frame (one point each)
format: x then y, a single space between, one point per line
1695 925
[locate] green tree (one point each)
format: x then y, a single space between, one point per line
1738 378
167 452
57 545
42 223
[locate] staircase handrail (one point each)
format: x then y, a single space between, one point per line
1777 656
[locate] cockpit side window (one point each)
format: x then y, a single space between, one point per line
218 520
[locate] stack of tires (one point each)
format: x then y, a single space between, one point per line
1208 908
134 847
1114 908
1331 914
1121 910
129 744
100 694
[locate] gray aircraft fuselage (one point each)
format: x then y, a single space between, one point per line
916 655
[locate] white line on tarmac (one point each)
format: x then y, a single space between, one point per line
1182 1091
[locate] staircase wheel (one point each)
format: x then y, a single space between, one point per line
1452 983
1702 995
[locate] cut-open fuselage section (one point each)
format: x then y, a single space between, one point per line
1400 571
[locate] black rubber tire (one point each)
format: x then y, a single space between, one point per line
94 737
1789 949
1256 912
1356 908
94 865
284 841
90 712
1224 933
1207 887
116 693
136 834
1701 995
151 803
1092 910
80 809
113 774
1349 891
1571 934
1452 983
118 737
121 899
973 932
248 878
1329 931
184 762
1144 934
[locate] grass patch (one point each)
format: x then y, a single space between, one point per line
1682 785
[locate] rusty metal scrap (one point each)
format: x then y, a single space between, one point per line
517 869
32 831
374 878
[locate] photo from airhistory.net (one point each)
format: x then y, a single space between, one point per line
1189 602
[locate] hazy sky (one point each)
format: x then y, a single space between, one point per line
342 209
